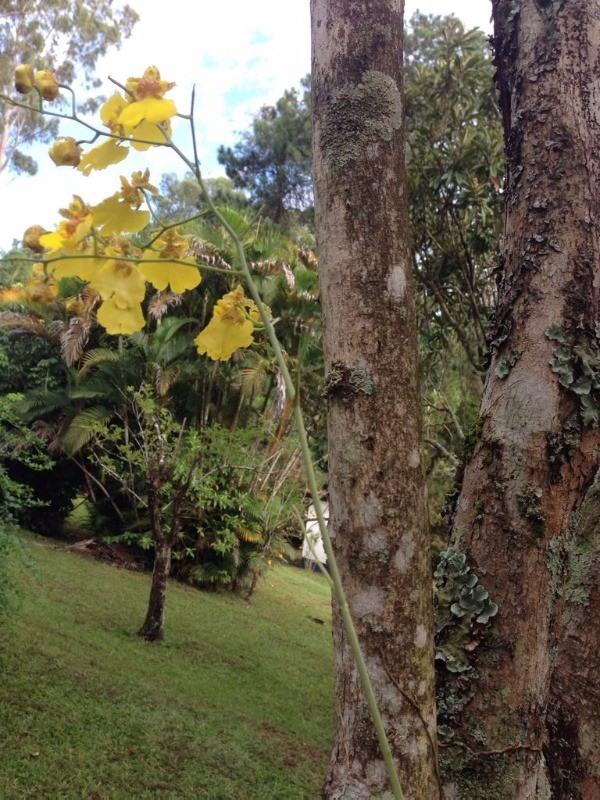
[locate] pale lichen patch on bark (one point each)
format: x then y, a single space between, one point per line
405 739
376 541
414 459
405 554
396 282
421 639
369 602
359 116
376 774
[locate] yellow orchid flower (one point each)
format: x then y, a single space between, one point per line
119 320
40 289
149 85
122 288
171 245
229 329
132 192
151 109
84 265
114 215
104 155
121 282
69 235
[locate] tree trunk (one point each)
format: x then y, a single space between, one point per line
525 715
375 474
153 628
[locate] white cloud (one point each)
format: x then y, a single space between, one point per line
239 55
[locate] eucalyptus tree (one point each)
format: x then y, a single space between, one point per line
64 36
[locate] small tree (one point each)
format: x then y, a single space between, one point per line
153 466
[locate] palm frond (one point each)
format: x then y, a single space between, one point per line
83 427
243 224
28 322
99 355
210 253
307 257
39 402
250 535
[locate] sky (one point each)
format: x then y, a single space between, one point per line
239 55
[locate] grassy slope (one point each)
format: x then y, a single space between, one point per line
235 704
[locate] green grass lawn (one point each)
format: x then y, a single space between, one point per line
235 704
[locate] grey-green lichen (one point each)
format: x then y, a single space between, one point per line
574 558
549 7
577 363
463 612
347 381
361 115
506 364
529 502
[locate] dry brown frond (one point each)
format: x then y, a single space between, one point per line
207 254
307 257
52 433
74 338
164 379
276 265
28 322
160 303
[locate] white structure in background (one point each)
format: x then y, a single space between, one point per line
312 548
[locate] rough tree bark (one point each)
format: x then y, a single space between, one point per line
526 718
375 477
153 629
